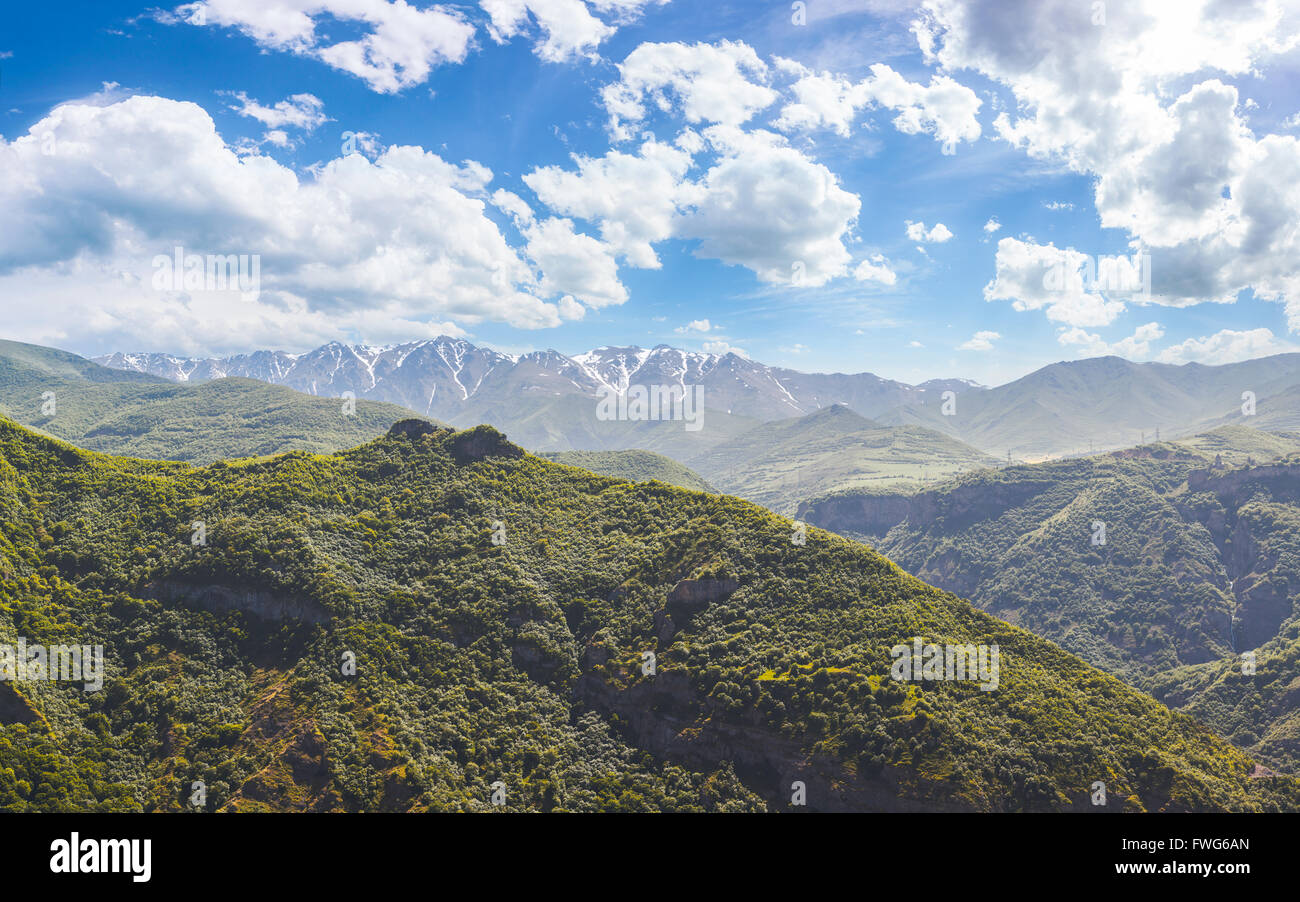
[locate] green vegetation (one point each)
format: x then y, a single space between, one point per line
633 465
146 416
1199 564
498 608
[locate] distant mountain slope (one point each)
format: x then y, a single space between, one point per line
1107 402
569 422
1239 445
1066 408
454 380
1149 563
782 463
19 359
143 415
635 465
434 617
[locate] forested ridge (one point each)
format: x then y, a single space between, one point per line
498 609
1163 565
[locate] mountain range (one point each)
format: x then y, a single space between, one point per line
456 381
142 415
546 400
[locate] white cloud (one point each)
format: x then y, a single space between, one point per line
707 83
570 309
916 231
1142 103
304 112
980 341
992 225
1226 346
633 197
300 111
768 207
514 206
821 100
388 246
876 269
1035 276
756 202
1136 346
945 109
399 45
695 325
575 264
571 28
721 347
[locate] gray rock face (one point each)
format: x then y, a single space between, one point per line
222 599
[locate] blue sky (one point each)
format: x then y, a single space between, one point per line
780 132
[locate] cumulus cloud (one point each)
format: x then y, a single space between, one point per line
916 231
398 47
980 341
875 269
721 347
695 325
569 28
707 83
574 264
992 225
1036 277
1226 346
944 108
1135 346
634 197
390 245
305 112
300 111
1141 100
768 207
743 197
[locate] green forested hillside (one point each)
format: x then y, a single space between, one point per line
1153 564
638 466
499 609
146 416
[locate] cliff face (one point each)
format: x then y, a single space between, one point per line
958 507
1242 521
865 515
268 606
1281 480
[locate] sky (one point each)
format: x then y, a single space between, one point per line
919 190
